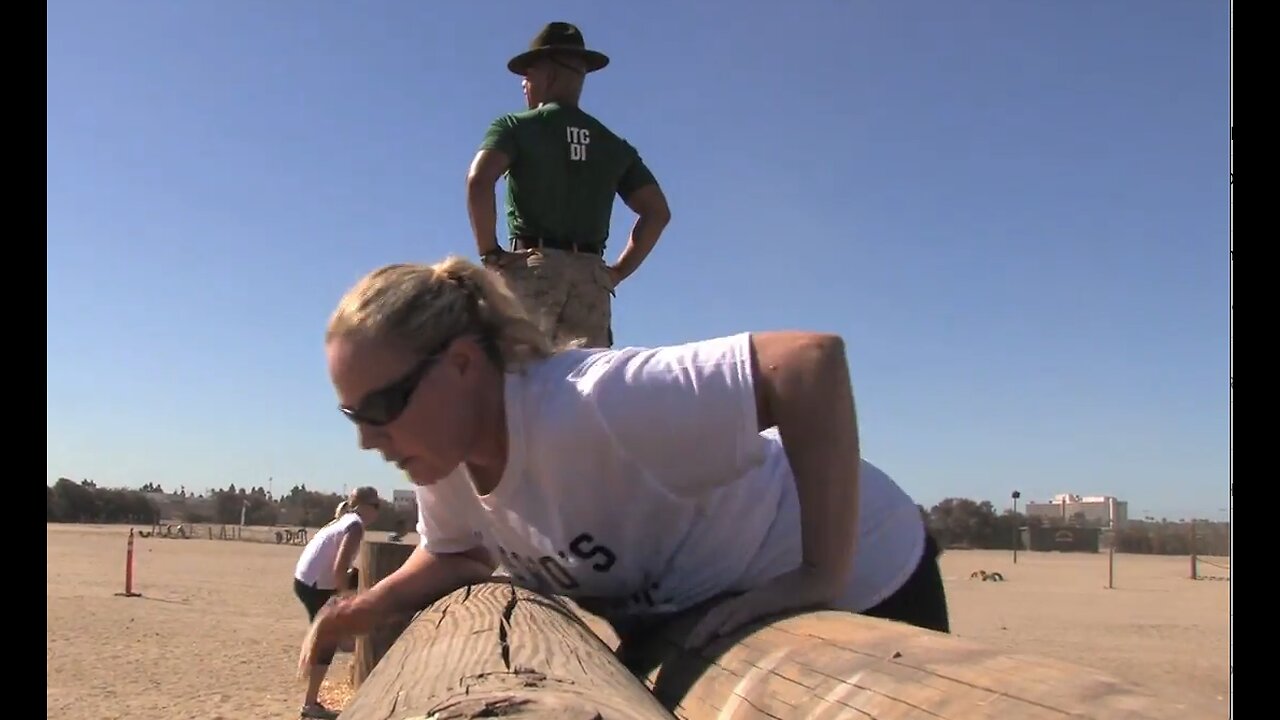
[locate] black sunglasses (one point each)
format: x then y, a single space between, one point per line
385 404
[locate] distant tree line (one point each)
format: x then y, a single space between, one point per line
85 502
965 523
955 522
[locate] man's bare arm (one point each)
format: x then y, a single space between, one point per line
649 204
482 204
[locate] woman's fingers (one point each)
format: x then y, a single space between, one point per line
309 646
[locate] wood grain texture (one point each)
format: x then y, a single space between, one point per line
496 649
376 561
834 665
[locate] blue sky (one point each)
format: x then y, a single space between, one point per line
1016 214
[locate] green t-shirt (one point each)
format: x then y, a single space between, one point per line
565 169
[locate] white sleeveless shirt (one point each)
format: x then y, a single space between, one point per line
640 475
315 565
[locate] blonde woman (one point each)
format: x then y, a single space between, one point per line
648 480
325 569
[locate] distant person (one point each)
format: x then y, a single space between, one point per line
563 169
645 481
325 569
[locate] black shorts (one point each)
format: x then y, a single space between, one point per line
922 599
314 598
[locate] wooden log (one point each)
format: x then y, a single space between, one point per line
814 665
496 649
377 560
835 665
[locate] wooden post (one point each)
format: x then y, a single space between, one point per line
1017 535
377 560
494 649
1111 567
1195 571
841 666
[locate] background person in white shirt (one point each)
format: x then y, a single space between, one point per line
323 570
652 479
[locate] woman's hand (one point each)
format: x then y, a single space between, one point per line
420 581
339 619
800 588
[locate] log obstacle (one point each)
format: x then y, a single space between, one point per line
377 560
839 665
168 530
494 649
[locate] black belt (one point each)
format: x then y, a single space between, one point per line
536 243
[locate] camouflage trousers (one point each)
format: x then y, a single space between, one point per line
569 294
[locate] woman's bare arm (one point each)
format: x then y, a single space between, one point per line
424 578
346 555
802 386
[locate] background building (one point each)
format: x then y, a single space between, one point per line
405 500
1094 510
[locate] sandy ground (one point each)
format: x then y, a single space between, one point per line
216 632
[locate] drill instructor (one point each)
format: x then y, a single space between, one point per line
563 169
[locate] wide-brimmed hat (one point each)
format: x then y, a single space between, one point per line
558 38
